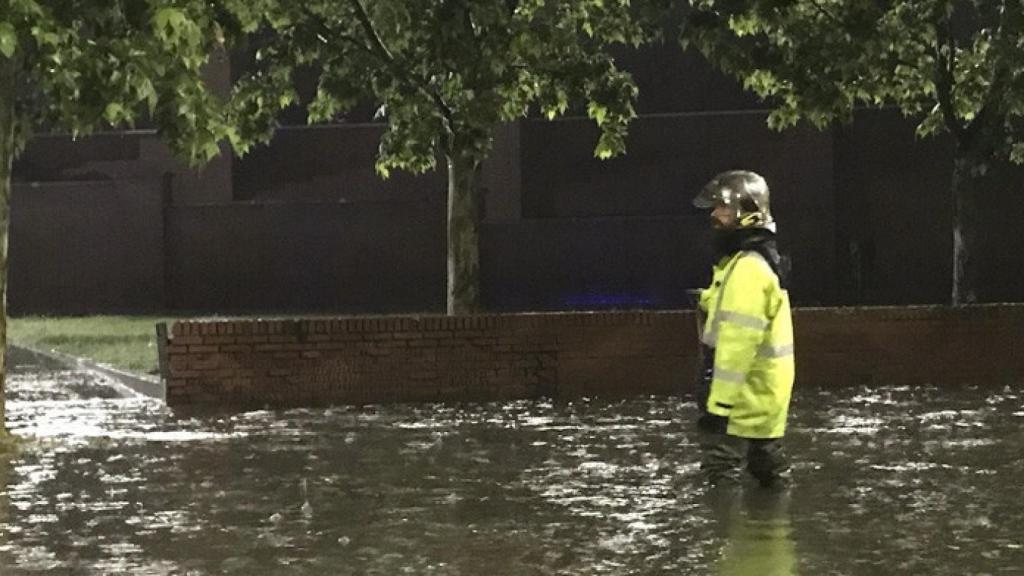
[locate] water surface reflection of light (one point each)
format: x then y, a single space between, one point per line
893 480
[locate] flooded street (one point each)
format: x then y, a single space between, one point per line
887 481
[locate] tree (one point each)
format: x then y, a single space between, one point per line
445 73
79 65
955 66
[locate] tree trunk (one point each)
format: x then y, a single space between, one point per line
7 80
463 235
965 228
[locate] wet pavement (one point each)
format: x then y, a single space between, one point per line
887 481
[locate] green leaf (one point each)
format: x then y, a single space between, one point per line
45 37
114 112
609 145
210 150
26 7
8 39
146 92
1017 153
169 21
597 112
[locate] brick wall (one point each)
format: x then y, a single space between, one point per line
384 359
257 363
910 345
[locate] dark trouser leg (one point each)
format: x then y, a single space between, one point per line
766 461
721 457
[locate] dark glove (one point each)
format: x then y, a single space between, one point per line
713 423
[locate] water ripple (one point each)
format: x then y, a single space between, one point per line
888 480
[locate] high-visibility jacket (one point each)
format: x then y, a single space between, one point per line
750 328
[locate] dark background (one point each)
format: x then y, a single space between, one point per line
112 223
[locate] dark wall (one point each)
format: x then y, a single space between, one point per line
333 162
669 159
619 234
894 240
115 156
381 257
306 224
336 161
1000 236
670 81
86 247
894 212
865 214
593 263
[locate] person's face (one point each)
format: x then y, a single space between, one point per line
723 217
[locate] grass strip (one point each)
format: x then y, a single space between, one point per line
125 342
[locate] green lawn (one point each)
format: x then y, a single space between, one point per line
126 342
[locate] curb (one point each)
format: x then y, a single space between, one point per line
145 385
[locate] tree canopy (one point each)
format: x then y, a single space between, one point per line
955 66
445 73
952 66
81 65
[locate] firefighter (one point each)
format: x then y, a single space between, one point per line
743 397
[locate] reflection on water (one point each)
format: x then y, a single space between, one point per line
756 530
887 481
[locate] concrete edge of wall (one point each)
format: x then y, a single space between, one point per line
282 362
133 383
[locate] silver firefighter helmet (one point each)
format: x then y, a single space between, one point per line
743 191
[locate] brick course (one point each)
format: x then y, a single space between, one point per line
309 362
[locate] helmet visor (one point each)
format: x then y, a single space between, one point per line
709 197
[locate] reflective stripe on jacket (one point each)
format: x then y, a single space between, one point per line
750 327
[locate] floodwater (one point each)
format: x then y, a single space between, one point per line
887 481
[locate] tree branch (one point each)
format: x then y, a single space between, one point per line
944 79
371 31
824 12
385 54
323 31
1004 41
